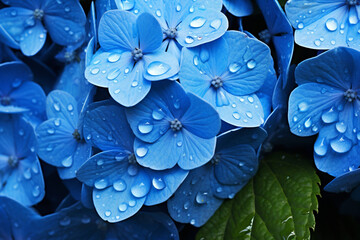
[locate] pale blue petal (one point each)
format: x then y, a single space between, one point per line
33 39
239 8
160 65
150 33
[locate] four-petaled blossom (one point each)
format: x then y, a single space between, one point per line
21 177
184 23
120 185
60 140
173 127
233 165
327 101
28 21
227 73
325 24
130 56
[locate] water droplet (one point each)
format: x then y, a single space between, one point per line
57 107
329 116
132 170
119 185
179 144
157 68
27 174
114 57
140 189
250 99
197 22
57 122
341 145
134 83
196 60
249 115
132 203
201 197
177 104
70 107
67 9
191 9
101 184
189 40
36 191
67 162
113 74
216 24
107 213
234 67
99 162
123 207
236 115
158 183
95 71
178 8
331 24
50 131
65 221
158 114
251 64
204 55
300 25
186 205
85 219
158 13
308 123
341 127
127 4
219 189
141 151
145 127
192 221
13 13
317 42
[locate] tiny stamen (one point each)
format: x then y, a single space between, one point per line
217 82
216 159
38 14
350 95
132 158
13 161
176 125
137 54
77 135
171 33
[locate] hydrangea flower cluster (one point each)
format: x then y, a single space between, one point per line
146 112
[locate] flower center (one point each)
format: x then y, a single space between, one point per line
38 14
171 33
77 135
352 2
132 158
176 125
137 54
350 95
217 82
216 159
5 101
13 161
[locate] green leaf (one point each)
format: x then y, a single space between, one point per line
278 203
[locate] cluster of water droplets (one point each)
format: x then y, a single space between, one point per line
201 22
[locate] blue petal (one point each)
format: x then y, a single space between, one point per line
150 33
105 67
86 196
60 104
114 206
162 154
165 102
201 27
23 3
225 191
33 39
55 142
157 225
310 106
160 65
70 10
239 8
130 87
80 155
331 68
194 202
64 32
13 24
237 164
344 183
329 23
164 184
106 128
266 92
74 187
248 66
103 169
201 119
25 184
117 30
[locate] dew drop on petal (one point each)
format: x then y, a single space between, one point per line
320 147
331 24
145 127
234 67
300 25
132 203
67 162
119 185
65 221
201 197
236 115
189 40
140 189
141 151
158 183
157 68
197 22
36 191
114 57
107 213
251 64
158 114
216 24
122 207
341 145
132 170
100 184
113 74
95 71
341 127
329 116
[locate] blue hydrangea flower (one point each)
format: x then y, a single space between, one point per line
325 24
130 56
20 173
203 191
173 127
227 73
327 102
239 8
60 140
120 185
184 23
28 22
344 183
77 222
